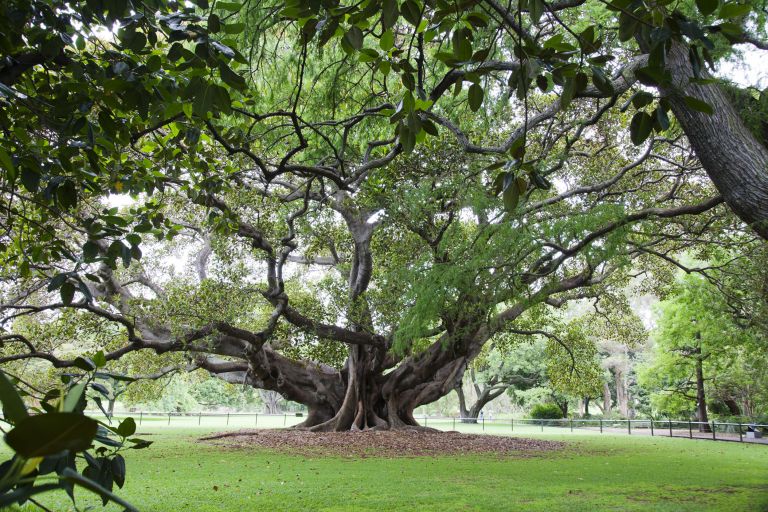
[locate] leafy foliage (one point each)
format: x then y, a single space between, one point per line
55 436
546 412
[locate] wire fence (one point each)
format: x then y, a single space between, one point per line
717 431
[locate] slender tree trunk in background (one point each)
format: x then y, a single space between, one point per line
733 158
111 406
622 400
586 406
748 409
271 400
733 407
465 417
701 401
563 405
606 399
486 395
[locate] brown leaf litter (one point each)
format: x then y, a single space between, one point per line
383 443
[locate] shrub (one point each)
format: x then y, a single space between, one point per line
546 412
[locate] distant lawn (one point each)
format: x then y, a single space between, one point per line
595 473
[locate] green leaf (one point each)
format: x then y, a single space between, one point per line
517 148
387 40
57 281
74 477
661 118
566 96
47 434
734 10
115 376
429 127
229 6
127 427
231 78
99 359
84 363
354 37
641 98
475 96
66 194
511 197
67 292
13 406
30 179
140 444
650 75
707 7
536 9
73 396
627 26
389 13
462 46
602 82
411 11
118 470
214 23
640 128
7 163
234 28
407 138
698 105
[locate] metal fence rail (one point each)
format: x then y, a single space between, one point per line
717 431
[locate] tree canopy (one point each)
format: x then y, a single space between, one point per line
345 204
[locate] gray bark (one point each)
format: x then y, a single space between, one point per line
733 158
271 400
622 399
606 398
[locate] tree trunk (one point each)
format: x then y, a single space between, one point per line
701 401
466 416
733 407
489 392
271 400
606 399
586 407
622 400
111 407
733 158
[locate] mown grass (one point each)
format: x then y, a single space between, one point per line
595 473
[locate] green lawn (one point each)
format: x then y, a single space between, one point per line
595 473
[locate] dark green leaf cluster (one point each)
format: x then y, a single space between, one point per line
49 440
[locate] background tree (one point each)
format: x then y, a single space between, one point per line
700 354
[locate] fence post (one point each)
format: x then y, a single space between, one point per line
483 421
741 438
714 432
601 426
629 427
454 422
425 420
690 430
571 424
256 420
285 418
512 424
651 427
199 417
227 418
141 415
670 427
542 425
